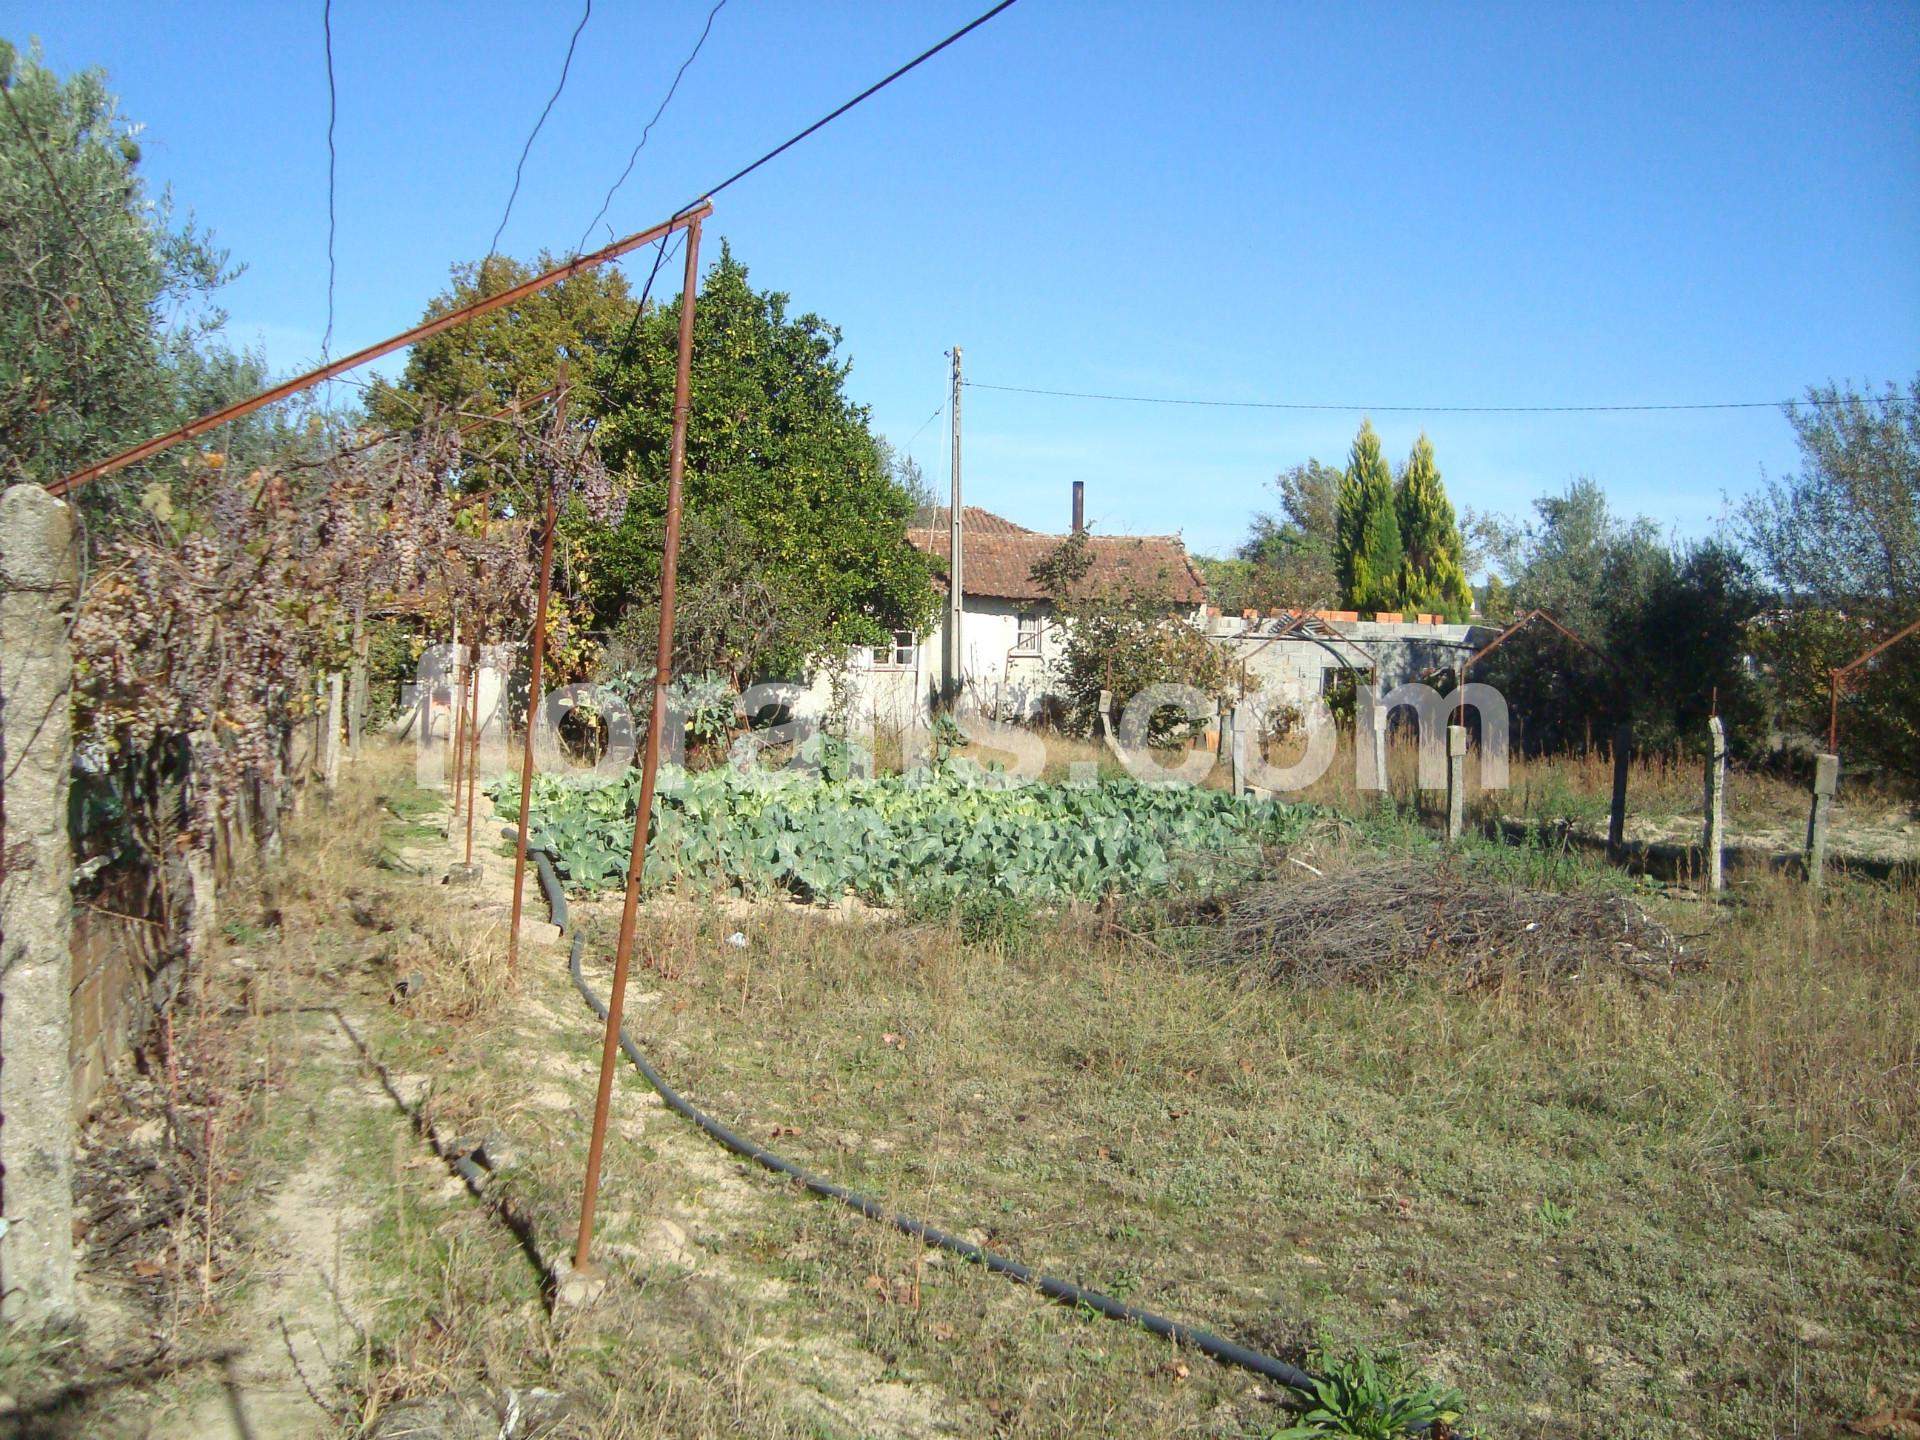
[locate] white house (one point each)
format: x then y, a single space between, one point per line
1008 634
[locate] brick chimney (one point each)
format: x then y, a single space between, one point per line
1079 506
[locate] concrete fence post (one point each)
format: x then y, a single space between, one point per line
1714 840
38 583
1380 752
332 761
1617 812
1826 781
1456 781
1238 724
1103 726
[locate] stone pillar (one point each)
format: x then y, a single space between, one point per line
1826 780
38 582
1456 781
1617 812
332 761
1714 839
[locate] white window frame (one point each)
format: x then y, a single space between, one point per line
903 654
1025 643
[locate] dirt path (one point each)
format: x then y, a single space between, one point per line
386 1295
297 1328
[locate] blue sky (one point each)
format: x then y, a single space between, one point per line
1359 205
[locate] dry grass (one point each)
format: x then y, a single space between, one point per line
1612 1209
1605 1209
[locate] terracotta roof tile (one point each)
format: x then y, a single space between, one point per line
1000 557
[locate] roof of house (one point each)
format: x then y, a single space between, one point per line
1000 557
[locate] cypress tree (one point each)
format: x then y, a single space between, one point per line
1432 578
1367 538
1497 607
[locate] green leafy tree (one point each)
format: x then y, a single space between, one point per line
1684 640
1496 601
1840 543
784 479
108 330
1664 632
1367 531
1432 577
1121 641
1288 559
483 366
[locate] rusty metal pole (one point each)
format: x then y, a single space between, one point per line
650 767
473 745
458 720
1833 712
533 682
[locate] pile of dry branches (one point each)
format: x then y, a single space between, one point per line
1369 925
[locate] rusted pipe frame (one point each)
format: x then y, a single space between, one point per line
650 767
533 681
1886 644
452 318
473 743
1837 680
457 721
1521 624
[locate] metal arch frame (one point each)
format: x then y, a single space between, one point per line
1837 680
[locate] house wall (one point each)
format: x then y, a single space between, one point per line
1002 678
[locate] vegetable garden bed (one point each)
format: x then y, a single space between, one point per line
933 834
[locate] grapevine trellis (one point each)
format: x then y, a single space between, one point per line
206 619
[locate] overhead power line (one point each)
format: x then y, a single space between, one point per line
939 410
793 140
566 65
659 110
639 309
1398 409
866 94
571 268
333 111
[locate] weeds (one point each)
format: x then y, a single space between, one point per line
1358 1395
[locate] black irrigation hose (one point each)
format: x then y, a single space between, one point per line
1064 1291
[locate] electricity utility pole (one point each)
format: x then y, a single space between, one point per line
956 593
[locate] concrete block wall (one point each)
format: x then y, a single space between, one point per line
1292 667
